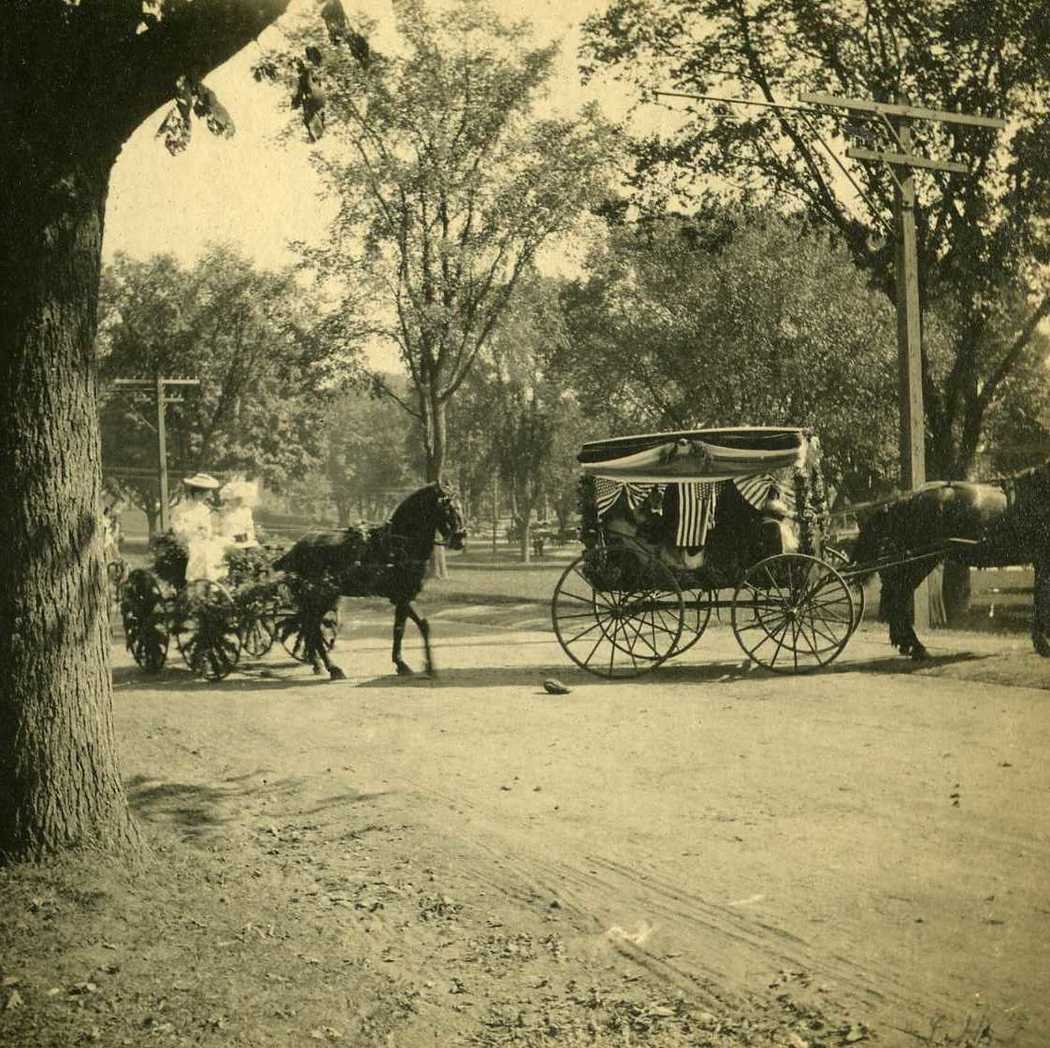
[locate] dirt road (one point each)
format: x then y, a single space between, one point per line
871 841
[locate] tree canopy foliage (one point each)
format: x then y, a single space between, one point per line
735 319
449 184
983 236
366 462
245 335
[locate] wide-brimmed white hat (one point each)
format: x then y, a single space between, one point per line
239 488
201 480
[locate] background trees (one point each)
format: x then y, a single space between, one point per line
246 335
735 318
367 459
982 236
449 184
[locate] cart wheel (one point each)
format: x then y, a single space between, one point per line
617 612
258 628
841 563
205 629
290 629
792 613
144 614
696 606
257 619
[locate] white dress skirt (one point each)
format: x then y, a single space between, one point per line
191 523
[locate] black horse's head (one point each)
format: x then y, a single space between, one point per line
449 518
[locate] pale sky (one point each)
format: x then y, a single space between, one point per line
258 194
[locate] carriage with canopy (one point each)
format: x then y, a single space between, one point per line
679 525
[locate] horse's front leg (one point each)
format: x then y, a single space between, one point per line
898 610
424 631
400 614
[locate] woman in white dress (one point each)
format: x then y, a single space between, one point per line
192 523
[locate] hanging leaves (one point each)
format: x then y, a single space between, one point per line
193 98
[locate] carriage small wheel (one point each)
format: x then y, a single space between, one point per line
292 625
696 614
205 627
144 615
257 623
617 612
792 613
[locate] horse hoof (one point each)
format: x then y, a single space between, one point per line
403 669
335 673
317 671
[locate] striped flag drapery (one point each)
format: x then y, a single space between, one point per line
696 510
758 488
607 491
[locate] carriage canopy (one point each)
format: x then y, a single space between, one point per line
697 455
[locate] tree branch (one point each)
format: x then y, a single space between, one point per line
193 39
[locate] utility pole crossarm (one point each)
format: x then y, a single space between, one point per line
158 386
907 160
909 112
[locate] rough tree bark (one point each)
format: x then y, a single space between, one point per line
76 81
58 769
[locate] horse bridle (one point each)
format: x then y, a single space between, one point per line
448 502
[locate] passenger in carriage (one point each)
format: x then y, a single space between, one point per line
192 524
236 521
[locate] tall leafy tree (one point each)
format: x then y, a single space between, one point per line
733 319
983 236
76 79
245 334
449 184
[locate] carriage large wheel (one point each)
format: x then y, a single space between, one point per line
144 614
206 631
792 613
617 612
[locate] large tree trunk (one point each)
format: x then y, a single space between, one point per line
59 779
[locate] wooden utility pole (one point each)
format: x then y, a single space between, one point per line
897 120
158 386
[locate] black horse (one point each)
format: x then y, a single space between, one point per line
982 525
384 560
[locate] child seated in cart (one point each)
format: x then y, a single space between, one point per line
236 521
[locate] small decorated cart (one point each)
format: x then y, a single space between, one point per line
679 525
211 623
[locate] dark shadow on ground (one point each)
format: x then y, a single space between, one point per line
270 676
198 809
903 664
534 675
